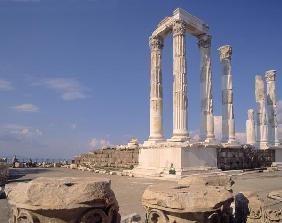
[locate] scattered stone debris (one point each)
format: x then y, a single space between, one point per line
63 200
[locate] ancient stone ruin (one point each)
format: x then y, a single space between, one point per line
205 199
63 200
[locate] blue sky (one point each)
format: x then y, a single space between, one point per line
74 74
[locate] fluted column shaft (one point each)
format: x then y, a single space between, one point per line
250 128
156 95
262 123
273 134
180 123
207 120
228 124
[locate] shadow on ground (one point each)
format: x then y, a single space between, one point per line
16 175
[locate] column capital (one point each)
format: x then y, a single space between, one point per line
204 41
178 27
155 43
225 52
251 114
270 75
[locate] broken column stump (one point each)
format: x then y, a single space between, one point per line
63 200
201 199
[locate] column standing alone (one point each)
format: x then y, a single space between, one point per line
156 95
207 120
273 134
228 124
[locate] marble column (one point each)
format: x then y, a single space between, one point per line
262 127
180 123
228 125
207 120
273 134
250 128
156 96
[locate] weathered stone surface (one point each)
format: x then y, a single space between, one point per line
276 195
62 200
250 208
117 158
198 199
132 218
244 157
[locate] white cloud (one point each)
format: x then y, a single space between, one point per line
15 132
73 126
98 143
241 137
26 108
68 88
5 85
195 135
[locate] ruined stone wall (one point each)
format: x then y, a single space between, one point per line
117 158
244 158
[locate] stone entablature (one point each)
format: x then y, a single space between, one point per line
195 26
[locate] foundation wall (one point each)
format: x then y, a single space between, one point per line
241 158
125 158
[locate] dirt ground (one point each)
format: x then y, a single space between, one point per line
129 190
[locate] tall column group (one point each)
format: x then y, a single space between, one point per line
180 100
207 120
156 95
228 125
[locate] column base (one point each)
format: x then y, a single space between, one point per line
210 140
179 138
153 140
263 145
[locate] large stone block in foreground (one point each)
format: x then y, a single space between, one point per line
204 199
63 200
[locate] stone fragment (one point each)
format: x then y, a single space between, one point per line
250 208
202 200
132 218
63 200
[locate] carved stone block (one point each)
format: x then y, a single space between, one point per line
182 202
63 200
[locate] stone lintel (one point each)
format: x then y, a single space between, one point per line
195 26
